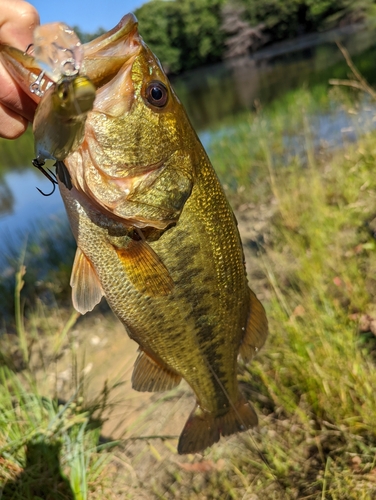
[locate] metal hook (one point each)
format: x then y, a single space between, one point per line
69 67
35 87
28 48
50 176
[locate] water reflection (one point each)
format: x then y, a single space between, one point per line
212 94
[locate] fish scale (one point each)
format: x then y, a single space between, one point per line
157 237
196 330
222 298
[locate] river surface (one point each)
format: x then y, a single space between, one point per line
211 96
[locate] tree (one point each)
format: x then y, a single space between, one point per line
184 34
157 19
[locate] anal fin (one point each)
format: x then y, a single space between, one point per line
150 376
86 288
204 428
145 269
256 330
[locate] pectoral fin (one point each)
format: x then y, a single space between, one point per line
145 269
86 288
256 330
150 376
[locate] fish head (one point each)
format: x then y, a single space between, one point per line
137 158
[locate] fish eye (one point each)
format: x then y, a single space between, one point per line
157 94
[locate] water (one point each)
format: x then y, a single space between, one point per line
211 96
26 207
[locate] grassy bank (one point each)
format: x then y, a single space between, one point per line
308 234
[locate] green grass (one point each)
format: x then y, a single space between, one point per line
311 258
48 448
315 267
314 381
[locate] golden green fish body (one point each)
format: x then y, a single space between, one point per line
155 231
198 326
157 237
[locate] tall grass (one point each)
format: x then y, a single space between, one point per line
314 262
311 256
48 448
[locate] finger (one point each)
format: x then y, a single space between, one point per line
12 125
13 97
17 22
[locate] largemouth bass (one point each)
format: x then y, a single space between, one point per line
157 237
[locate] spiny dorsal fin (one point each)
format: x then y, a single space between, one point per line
145 269
256 330
86 288
149 376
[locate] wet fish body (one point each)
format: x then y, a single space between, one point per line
157 237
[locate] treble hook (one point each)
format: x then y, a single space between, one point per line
35 87
50 176
30 46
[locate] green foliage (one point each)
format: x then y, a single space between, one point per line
182 34
199 31
289 18
16 154
87 37
156 20
185 34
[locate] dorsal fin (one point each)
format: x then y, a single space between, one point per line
256 330
86 288
150 376
145 269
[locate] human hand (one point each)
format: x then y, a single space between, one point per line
17 22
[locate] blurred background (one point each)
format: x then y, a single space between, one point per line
281 95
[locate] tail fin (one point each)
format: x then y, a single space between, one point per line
204 428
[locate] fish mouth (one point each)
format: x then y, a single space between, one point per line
103 58
105 55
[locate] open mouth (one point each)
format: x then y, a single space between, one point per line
103 57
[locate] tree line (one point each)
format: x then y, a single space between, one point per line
189 33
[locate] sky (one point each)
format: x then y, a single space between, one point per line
89 15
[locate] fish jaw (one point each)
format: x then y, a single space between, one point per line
105 55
